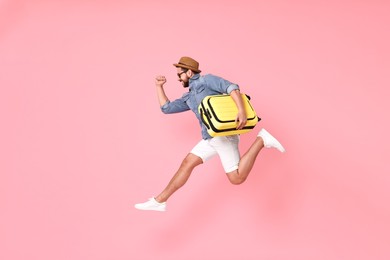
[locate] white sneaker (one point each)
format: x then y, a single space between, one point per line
152 204
270 141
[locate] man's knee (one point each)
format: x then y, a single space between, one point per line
235 178
237 181
191 161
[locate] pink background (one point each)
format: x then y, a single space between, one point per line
82 137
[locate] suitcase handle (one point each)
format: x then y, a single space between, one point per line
208 114
203 121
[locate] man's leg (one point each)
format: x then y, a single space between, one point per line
199 154
263 139
180 178
246 163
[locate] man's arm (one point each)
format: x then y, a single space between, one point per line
241 115
162 97
168 107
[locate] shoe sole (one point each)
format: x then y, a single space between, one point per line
139 208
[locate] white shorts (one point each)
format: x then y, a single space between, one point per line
225 146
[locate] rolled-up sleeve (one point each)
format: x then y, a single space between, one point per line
232 87
219 84
176 106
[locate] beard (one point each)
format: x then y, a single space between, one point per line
185 84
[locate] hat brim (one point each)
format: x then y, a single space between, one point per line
187 67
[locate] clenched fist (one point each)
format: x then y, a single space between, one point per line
160 80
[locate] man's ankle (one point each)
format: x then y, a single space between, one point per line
159 199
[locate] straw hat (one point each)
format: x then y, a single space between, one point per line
188 63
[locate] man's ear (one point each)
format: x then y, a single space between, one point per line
190 73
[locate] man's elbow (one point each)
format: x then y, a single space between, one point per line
165 108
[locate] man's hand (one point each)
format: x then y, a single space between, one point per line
241 119
162 98
160 81
241 115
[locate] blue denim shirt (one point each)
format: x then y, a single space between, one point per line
199 88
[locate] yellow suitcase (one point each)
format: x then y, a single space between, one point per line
218 113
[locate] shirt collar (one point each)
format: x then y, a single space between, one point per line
195 77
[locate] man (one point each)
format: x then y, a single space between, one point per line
226 147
